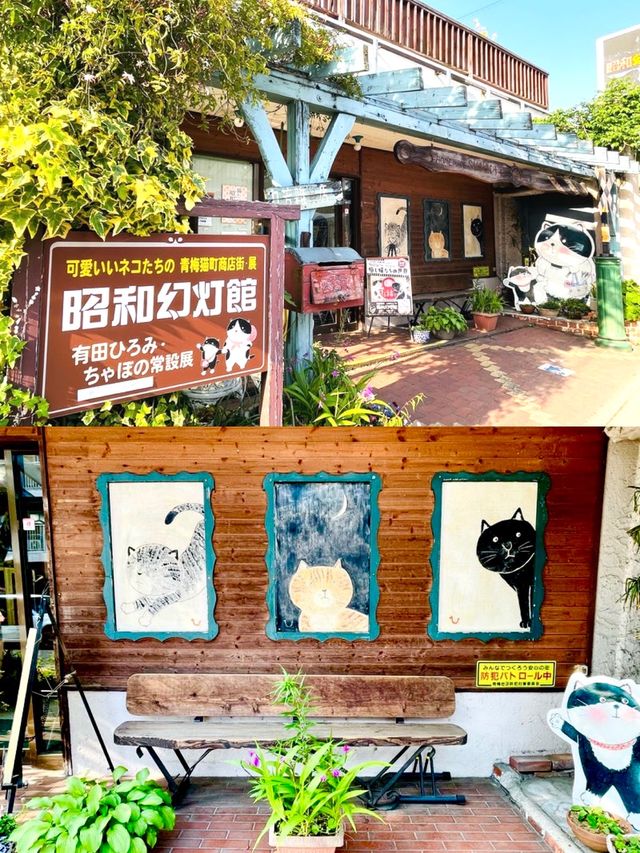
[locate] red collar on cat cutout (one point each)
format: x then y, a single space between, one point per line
615 746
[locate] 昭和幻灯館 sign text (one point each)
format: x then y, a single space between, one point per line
140 316
515 674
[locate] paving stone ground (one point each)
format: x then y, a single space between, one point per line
219 817
495 380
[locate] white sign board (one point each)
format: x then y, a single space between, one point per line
388 287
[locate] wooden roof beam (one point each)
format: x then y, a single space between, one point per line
475 109
515 121
437 96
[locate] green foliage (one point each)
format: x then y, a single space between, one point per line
123 816
443 320
631 595
7 825
92 98
631 299
552 304
307 785
486 301
611 119
574 309
597 819
169 410
627 843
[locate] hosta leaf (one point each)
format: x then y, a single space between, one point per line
118 838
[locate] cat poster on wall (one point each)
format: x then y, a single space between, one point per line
323 556
600 720
393 225
488 555
437 238
473 231
158 555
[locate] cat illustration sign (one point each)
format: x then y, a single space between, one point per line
136 317
600 719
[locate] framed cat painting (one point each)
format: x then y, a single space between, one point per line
158 555
488 555
323 556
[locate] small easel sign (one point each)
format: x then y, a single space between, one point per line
388 292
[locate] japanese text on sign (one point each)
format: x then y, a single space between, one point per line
515 674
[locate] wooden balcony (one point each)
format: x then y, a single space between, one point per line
410 24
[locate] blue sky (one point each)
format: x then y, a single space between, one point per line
557 35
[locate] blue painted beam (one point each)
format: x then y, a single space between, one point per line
385 82
258 121
515 121
445 96
340 127
298 141
479 109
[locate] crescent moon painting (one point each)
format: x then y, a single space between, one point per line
342 510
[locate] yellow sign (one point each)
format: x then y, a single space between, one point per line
504 674
481 272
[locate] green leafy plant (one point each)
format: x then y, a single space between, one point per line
552 304
305 781
626 843
631 299
7 825
444 320
574 309
597 820
486 301
631 595
123 816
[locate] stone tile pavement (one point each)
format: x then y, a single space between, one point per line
494 379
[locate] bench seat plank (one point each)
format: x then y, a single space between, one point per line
234 733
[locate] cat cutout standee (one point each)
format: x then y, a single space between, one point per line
600 719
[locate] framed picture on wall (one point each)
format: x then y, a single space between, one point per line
437 236
323 555
488 555
393 226
158 555
473 231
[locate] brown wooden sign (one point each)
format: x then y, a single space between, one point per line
134 317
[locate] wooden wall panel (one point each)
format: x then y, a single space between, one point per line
406 461
379 172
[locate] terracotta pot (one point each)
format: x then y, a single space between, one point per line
593 840
485 322
527 308
610 838
549 312
307 844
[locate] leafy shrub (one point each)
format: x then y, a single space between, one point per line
486 301
631 299
574 309
7 825
443 320
627 844
123 816
552 304
597 819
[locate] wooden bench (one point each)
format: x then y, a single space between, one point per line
450 298
207 712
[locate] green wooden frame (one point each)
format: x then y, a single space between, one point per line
435 630
110 628
407 200
270 484
426 215
483 245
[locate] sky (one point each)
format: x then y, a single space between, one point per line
556 35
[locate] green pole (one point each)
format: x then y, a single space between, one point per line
611 332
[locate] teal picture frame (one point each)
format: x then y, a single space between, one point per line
322 528
144 503
467 579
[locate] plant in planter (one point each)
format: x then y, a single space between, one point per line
444 323
550 308
420 332
591 825
631 300
123 816
574 309
305 780
7 826
623 843
486 305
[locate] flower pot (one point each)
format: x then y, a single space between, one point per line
306 843
593 840
444 335
549 312
610 838
485 322
421 336
6 846
527 308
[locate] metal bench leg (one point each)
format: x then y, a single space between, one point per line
177 786
434 795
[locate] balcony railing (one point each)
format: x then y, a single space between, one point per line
410 24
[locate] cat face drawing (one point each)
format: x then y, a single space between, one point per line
601 720
508 548
209 350
564 245
161 575
237 347
322 594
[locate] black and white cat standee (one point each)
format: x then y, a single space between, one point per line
237 347
209 350
600 718
508 548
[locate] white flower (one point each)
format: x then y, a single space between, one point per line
90 9
89 78
128 78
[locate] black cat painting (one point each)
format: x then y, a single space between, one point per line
507 548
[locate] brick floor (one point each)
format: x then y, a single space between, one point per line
219 817
494 379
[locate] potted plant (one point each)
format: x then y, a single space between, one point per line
444 323
420 332
305 780
623 843
486 305
550 308
123 815
591 825
574 309
7 826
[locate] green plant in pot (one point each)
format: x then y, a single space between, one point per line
122 815
623 843
420 332
486 305
305 781
550 308
444 323
591 825
7 826
574 309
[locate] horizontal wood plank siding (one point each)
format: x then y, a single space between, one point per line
411 24
406 461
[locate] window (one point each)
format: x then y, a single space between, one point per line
233 180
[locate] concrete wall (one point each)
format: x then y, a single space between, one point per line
629 201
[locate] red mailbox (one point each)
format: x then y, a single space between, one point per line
324 279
